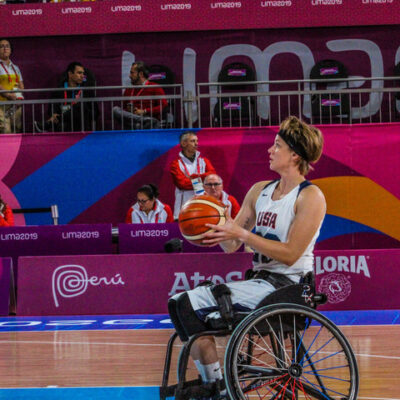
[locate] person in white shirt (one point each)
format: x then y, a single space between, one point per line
148 209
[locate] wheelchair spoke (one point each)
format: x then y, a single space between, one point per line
318 391
290 353
264 350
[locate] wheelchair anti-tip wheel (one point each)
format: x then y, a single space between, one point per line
287 351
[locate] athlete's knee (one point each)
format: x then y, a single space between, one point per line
173 314
188 317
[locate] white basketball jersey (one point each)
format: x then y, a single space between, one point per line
274 218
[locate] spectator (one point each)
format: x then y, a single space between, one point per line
213 186
141 113
148 209
6 214
72 116
10 79
187 166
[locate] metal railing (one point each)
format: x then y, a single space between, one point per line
95 109
266 103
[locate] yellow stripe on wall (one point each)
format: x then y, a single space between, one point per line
362 200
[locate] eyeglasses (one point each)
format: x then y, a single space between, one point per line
213 184
142 201
5 46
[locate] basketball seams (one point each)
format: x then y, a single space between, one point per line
198 212
220 209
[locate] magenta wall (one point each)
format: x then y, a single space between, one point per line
136 284
187 15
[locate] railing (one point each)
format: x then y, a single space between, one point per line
93 110
256 103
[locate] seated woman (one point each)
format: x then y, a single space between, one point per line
6 214
148 209
287 215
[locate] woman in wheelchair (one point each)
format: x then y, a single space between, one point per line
287 215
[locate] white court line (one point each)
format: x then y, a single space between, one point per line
147 345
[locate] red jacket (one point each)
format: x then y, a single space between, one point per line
7 219
154 108
180 177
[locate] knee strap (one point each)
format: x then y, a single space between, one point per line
222 295
187 316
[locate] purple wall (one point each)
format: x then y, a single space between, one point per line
166 15
135 284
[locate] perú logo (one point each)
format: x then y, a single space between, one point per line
336 286
182 284
73 280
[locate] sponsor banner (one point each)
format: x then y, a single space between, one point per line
5 283
60 239
155 238
358 279
117 284
137 284
178 15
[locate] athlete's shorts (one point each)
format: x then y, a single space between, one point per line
245 297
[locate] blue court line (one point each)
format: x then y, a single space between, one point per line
80 393
162 321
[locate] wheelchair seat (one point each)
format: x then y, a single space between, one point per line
275 352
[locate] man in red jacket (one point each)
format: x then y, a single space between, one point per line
141 113
187 166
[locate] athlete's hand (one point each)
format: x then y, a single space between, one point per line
221 233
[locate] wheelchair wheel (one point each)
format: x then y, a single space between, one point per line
287 351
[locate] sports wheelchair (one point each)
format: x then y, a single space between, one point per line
283 350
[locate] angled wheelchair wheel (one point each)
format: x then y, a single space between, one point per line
287 351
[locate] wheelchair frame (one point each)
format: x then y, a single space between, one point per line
279 351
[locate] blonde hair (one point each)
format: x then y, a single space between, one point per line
305 137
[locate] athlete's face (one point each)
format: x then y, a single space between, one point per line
145 203
280 155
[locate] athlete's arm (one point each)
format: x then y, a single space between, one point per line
310 208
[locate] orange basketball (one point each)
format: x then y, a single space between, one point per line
196 213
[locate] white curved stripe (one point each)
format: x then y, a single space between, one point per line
220 209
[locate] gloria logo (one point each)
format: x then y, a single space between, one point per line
336 286
73 280
356 264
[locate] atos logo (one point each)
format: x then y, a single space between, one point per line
182 281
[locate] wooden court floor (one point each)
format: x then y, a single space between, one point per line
136 357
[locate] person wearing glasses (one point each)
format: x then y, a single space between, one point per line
214 187
148 209
10 79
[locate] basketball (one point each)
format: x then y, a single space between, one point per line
196 213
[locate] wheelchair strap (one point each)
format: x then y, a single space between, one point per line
222 295
276 280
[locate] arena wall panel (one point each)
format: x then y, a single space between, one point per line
93 177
